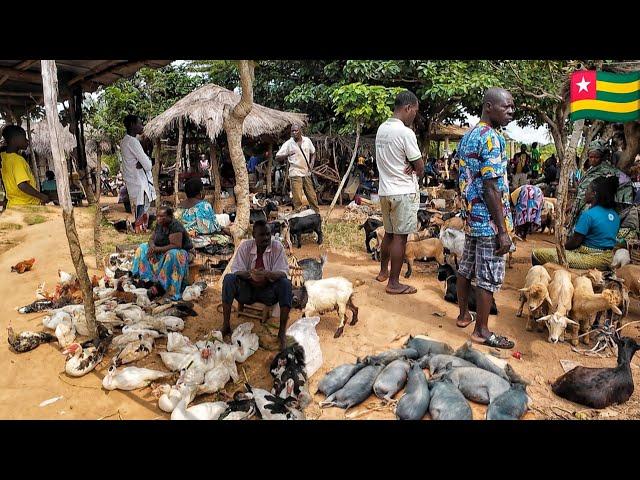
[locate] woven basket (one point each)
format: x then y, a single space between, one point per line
634 250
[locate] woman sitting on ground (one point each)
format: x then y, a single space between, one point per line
594 237
528 201
198 217
165 259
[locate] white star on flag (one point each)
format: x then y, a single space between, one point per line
583 85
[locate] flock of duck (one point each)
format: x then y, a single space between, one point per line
201 367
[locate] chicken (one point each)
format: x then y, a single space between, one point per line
23 266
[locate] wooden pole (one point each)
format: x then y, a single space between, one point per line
76 122
176 175
563 191
50 88
156 172
346 175
97 234
214 173
34 163
269 167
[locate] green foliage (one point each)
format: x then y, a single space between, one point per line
547 150
113 162
362 104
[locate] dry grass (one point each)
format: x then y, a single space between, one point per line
5 226
34 219
343 236
111 237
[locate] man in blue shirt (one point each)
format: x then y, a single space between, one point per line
485 193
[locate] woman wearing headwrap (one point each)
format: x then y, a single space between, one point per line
599 166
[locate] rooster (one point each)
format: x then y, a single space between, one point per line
24 266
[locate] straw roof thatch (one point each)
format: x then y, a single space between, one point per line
41 142
204 107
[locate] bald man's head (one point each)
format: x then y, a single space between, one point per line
497 107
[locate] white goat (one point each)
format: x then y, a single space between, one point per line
453 240
535 293
621 258
561 294
328 294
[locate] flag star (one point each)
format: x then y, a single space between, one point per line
583 85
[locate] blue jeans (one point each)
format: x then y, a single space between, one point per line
235 288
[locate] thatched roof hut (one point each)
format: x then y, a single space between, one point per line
41 143
205 106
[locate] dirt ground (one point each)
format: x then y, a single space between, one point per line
385 322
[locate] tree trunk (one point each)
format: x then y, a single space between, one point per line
269 168
214 173
346 175
176 175
156 173
590 133
632 139
98 184
97 234
50 88
563 190
34 164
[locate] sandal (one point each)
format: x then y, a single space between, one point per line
407 290
473 319
498 341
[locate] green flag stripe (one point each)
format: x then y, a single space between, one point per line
618 97
606 116
618 77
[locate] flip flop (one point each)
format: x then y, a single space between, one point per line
473 319
404 291
498 341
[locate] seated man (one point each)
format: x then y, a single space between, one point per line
258 274
50 187
19 182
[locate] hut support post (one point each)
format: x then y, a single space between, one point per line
50 89
214 174
156 172
269 167
34 163
75 110
176 174
563 191
97 238
346 175
446 160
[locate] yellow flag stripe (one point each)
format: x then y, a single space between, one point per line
625 107
612 87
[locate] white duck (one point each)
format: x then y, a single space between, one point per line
225 354
134 351
52 321
192 292
109 318
176 361
82 360
202 411
172 395
65 332
131 378
122 340
172 324
246 343
103 292
275 408
130 313
214 380
176 342
65 278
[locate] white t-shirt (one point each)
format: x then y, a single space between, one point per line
396 144
297 164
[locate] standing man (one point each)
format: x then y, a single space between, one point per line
301 153
400 166
485 193
18 179
521 167
136 169
536 164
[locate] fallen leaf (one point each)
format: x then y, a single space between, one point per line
568 365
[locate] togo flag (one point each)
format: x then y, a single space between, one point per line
613 97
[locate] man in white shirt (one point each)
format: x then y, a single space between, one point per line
136 168
301 154
400 166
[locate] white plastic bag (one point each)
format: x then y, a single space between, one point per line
304 331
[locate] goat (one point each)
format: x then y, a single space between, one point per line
600 387
631 276
535 293
586 304
447 274
621 258
429 247
320 296
561 294
547 217
370 225
263 213
413 237
453 241
618 285
594 275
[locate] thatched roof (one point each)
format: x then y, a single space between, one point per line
41 142
204 107
453 132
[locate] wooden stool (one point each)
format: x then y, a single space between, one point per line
258 311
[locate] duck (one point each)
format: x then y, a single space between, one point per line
214 380
293 383
65 332
271 407
192 292
172 395
125 338
247 342
171 323
130 313
202 411
181 309
600 387
26 341
65 279
82 358
290 357
131 378
176 361
242 407
52 321
134 351
176 342
108 317
225 354
37 306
